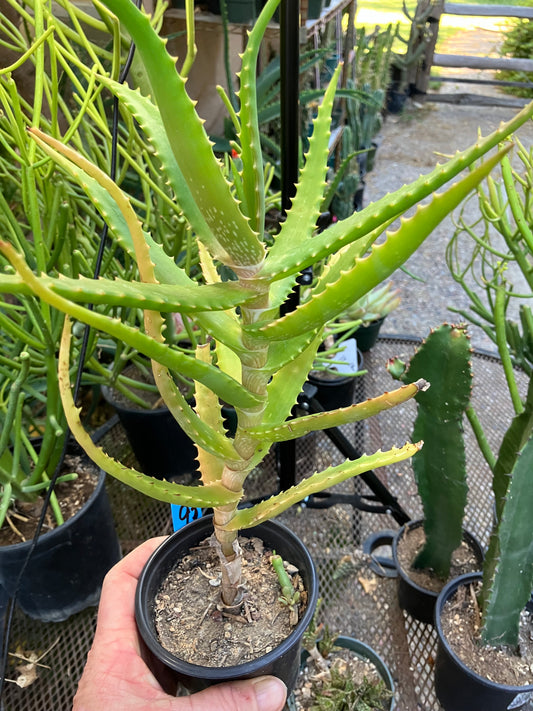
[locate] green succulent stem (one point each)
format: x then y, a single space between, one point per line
440 467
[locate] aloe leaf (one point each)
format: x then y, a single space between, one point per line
301 219
280 353
208 409
387 208
213 441
336 418
286 385
116 210
226 388
227 359
510 589
249 140
246 518
189 141
149 119
373 269
159 297
197 497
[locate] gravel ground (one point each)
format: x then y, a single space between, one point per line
410 146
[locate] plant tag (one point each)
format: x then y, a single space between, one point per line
182 515
520 699
348 356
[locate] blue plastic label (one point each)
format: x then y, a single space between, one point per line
182 515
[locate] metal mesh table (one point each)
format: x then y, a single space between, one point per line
356 601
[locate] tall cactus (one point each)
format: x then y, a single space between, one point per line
440 467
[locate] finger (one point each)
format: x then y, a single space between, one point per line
266 693
116 613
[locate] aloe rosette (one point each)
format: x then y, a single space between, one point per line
253 358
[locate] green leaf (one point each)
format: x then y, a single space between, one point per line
246 518
373 269
149 119
301 426
189 142
297 229
387 208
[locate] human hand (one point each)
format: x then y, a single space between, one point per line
116 676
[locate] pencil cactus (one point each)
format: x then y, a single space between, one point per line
253 358
492 278
440 467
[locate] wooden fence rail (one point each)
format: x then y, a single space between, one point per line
421 74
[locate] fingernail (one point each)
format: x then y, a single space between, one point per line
270 693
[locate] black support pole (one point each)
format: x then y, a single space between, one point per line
290 97
289 140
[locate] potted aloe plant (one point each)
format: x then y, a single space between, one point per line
490 258
425 551
253 358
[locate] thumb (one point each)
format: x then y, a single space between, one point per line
265 693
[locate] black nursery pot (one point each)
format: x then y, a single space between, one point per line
340 391
331 394
414 599
283 661
67 567
367 335
363 651
457 687
161 447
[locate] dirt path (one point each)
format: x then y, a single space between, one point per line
411 146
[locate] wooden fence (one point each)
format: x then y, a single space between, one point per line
421 74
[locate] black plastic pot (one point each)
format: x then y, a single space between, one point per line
283 661
363 651
367 335
161 447
395 101
414 599
457 687
358 198
67 568
335 392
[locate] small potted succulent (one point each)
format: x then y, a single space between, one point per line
365 317
499 599
253 358
340 673
426 551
